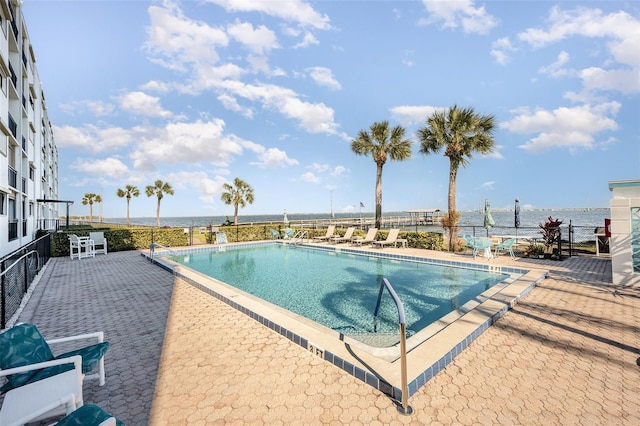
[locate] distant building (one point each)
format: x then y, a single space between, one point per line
28 154
625 232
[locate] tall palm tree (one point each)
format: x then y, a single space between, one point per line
459 132
239 194
382 144
128 192
159 188
90 198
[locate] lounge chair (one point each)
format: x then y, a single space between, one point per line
274 234
221 238
330 230
288 233
89 415
99 242
36 378
368 239
506 245
392 238
346 237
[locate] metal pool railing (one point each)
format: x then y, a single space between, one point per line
404 408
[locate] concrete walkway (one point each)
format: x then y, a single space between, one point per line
567 354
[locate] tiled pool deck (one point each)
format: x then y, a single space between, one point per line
567 353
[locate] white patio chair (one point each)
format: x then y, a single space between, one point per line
80 247
99 242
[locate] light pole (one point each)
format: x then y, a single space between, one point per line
331 191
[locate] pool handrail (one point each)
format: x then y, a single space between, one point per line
152 250
404 408
299 237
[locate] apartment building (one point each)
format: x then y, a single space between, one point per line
28 154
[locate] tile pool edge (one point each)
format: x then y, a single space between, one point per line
435 352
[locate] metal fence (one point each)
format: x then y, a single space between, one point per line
574 240
18 271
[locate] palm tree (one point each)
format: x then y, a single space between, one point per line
382 144
239 194
128 192
159 188
460 132
90 198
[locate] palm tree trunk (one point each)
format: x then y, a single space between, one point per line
453 231
90 213
235 215
379 196
128 222
158 214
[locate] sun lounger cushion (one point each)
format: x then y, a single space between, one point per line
87 415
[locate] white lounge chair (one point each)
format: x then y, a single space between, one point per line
99 242
330 230
346 237
368 239
392 238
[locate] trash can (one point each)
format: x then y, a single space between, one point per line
602 241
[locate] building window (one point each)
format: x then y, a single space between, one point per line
3 203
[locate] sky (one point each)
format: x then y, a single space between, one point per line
197 93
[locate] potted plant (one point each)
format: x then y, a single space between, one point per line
535 250
550 231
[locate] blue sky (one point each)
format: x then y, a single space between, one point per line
197 93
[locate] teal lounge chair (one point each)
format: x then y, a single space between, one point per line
478 243
274 234
23 345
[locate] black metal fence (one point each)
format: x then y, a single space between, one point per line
573 241
18 271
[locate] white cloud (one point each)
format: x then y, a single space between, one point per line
275 158
409 115
106 168
501 49
310 177
293 11
453 14
320 168
308 40
556 69
619 29
93 138
187 143
570 128
208 188
324 77
488 185
339 171
140 103
259 40
155 86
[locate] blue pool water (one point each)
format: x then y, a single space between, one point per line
340 290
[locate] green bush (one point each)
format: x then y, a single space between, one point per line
134 238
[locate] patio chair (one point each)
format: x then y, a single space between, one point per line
274 234
98 241
368 239
346 237
506 245
288 233
80 247
22 345
330 230
479 243
221 238
391 239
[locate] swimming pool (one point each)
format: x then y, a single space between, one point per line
342 290
361 354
